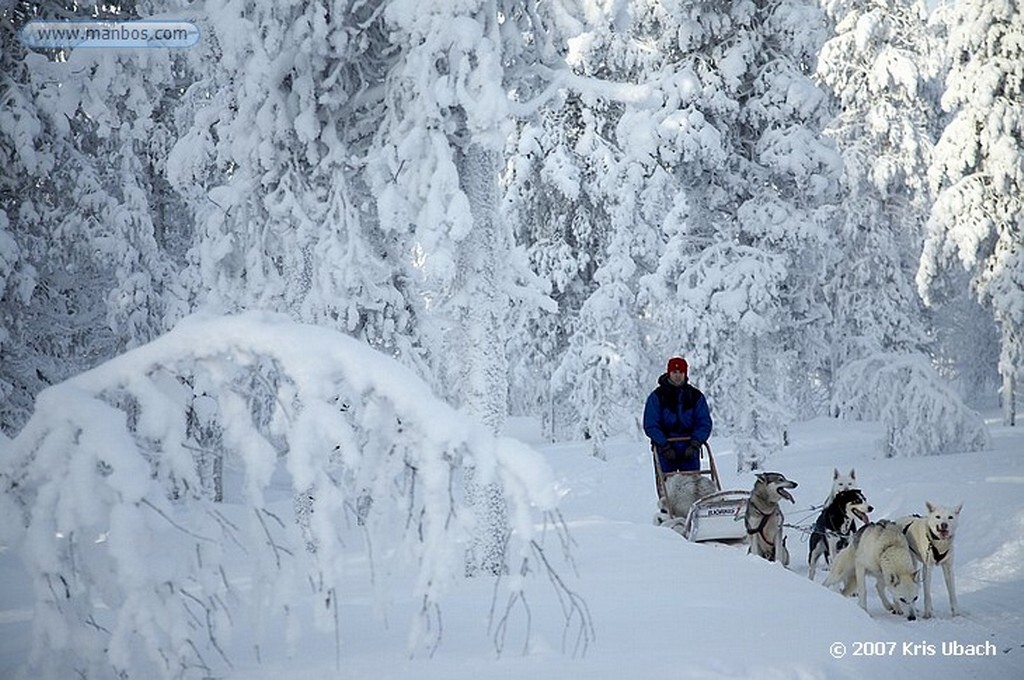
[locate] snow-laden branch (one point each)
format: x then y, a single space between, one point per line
591 88
921 414
324 445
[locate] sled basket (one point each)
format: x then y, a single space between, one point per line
718 517
712 514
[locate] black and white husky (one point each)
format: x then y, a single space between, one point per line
835 525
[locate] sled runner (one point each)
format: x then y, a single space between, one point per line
694 504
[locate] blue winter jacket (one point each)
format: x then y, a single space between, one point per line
672 412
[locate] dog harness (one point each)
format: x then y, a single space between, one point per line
841 534
936 555
760 527
932 538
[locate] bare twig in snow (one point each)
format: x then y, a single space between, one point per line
573 605
431 612
209 626
501 628
145 501
278 549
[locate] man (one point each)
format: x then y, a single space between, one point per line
674 410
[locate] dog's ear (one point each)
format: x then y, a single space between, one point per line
894 580
917 577
853 474
958 509
835 473
930 506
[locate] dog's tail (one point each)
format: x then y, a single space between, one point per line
843 569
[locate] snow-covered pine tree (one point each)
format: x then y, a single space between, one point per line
145 230
977 221
882 68
589 214
600 370
87 273
788 206
740 271
270 158
435 176
879 66
556 216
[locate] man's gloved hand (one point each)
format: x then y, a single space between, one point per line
668 454
693 450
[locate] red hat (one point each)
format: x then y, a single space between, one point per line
677 364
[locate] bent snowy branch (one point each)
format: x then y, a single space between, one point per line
309 424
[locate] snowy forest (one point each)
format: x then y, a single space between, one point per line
531 205
350 240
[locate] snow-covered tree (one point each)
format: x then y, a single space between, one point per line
87 269
739 275
589 214
106 475
601 367
880 67
967 341
920 413
977 173
269 160
435 174
558 215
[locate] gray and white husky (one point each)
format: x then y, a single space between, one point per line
764 518
931 542
879 549
835 526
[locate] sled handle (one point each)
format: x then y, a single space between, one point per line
706 448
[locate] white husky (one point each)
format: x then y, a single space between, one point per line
879 549
841 482
931 541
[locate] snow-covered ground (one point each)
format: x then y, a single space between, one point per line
661 607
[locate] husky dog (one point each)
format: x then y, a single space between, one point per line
764 517
879 549
835 526
682 490
841 482
931 541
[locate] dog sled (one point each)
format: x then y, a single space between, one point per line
695 505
